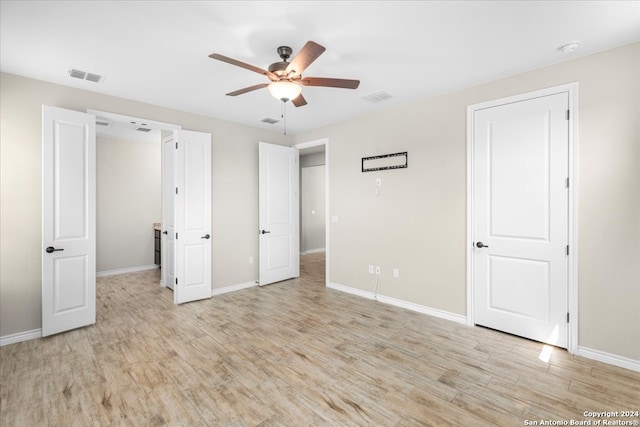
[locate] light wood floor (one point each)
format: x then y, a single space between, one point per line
295 354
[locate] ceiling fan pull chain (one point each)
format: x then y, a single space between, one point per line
284 116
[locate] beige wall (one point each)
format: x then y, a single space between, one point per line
418 223
129 201
235 205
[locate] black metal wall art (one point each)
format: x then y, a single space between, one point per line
384 162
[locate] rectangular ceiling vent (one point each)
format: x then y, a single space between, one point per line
100 123
83 75
377 96
270 121
93 78
143 129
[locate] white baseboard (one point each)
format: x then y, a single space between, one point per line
611 359
352 291
400 303
312 251
20 336
232 288
435 312
126 270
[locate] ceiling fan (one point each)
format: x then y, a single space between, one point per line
286 77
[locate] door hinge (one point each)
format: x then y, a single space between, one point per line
176 145
567 182
567 317
568 114
176 190
567 249
176 236
176 281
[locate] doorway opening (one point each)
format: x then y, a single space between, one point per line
314 208
130 149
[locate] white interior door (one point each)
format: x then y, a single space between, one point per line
279 213
192 174
520 215
68 220
168 217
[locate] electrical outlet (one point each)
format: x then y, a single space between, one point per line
370 269
396 273
377 270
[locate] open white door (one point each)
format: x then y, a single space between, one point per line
520 217
68 220
192 173
168 215
279 213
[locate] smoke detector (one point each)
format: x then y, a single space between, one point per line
569 47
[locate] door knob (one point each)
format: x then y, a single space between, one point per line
165 232
481 245
206 236
265 232
51 250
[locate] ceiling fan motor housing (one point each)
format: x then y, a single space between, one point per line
280 68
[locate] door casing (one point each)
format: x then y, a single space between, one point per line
572 90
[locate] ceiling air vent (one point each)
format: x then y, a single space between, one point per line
377 96
270 121
143 129
100 123
83 75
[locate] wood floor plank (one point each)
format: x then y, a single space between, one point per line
293 353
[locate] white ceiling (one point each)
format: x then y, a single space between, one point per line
157 52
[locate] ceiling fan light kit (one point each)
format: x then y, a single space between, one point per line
284 90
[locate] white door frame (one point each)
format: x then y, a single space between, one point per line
316 143
571 89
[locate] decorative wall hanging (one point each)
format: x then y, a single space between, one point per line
384 162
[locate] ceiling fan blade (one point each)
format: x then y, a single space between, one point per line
248 89
299 101
243 65
329 82
309 53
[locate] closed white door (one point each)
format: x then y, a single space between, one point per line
168 217
192 213
279 213
520 215
68 220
